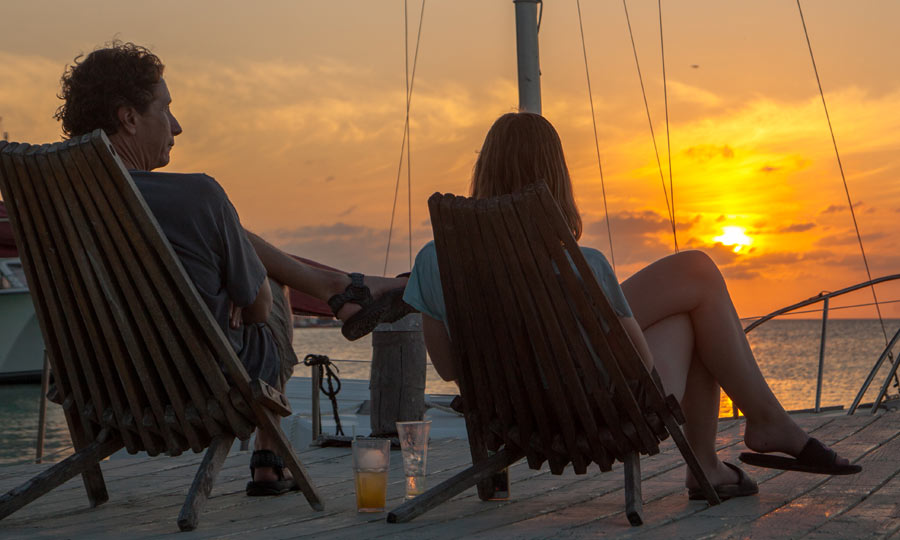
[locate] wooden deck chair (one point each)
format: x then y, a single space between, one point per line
546 370
138 360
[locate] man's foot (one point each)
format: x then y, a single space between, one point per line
269 476
368 301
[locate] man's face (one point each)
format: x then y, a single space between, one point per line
156 129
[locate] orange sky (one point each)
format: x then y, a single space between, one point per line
297 109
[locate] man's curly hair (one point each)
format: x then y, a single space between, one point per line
94 88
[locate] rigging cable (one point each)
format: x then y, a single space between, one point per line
410 82
650 121
843 178
587 75
662 53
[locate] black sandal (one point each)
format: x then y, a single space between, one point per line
267 458
388 308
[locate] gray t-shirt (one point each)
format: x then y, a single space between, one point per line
203 227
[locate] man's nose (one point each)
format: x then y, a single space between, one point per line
176 127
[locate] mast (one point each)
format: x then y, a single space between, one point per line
527 53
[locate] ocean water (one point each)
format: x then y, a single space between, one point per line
787 352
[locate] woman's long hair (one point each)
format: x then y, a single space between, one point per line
520 149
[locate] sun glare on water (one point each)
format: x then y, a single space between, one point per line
735 237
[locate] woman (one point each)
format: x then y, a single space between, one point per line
676 310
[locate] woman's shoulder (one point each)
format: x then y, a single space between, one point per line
593 255
428 252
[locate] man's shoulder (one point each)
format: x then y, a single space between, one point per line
199 185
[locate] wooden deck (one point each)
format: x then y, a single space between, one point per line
146 495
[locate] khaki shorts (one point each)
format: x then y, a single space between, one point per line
281 322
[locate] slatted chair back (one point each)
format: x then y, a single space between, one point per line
544 364
130 342
138 359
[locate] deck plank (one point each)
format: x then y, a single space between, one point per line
146 494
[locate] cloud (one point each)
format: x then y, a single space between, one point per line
796 227
705 152
693 94
834 208
849 238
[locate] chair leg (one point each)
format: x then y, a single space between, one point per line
271 424
85 462
454 486
203 482
95 485
688 454
634 505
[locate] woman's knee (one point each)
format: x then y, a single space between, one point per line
698 265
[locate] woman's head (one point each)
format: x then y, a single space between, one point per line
520 149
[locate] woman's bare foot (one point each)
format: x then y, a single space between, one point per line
720 475
779 435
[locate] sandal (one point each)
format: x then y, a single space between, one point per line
267 458
388 308
357 293
742 488
814 458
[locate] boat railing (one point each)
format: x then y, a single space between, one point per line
825 297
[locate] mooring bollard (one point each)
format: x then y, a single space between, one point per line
397 378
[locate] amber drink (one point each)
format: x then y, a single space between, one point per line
371 461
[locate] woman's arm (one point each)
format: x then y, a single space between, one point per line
633 329
438 344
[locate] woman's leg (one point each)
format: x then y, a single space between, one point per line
672 340
689 284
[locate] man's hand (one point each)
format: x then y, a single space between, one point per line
235 319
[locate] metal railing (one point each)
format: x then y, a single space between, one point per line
825 298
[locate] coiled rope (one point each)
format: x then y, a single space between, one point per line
327 375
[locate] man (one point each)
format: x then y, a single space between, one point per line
121 89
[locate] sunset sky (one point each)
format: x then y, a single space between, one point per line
297 108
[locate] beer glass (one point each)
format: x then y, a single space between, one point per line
371 461
414 443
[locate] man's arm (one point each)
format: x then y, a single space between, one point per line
256 312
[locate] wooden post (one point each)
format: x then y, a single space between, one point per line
42 411
316 412
397 379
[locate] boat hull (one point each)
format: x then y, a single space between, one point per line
21 343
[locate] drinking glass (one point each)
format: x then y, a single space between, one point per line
371 461
414 443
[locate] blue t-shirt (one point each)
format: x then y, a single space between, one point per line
424 292
203 228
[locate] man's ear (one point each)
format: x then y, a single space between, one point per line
128 117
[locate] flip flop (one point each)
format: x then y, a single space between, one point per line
268 488
745 486
815 458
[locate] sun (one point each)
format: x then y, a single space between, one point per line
734 236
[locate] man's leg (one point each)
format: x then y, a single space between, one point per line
316 282
280 322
